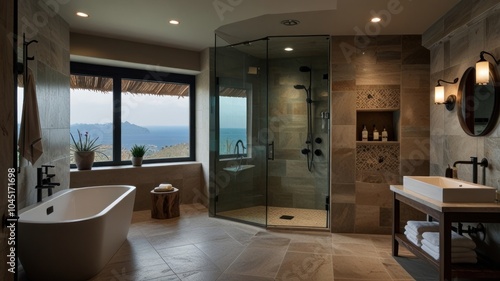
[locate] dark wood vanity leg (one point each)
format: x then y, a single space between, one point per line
395 225
445 248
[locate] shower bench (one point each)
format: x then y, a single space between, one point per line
446 214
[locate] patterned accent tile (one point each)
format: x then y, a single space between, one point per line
378 98
377 157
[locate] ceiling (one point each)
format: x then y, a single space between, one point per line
242 20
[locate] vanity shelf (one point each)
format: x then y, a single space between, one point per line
446 214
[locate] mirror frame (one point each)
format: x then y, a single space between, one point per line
467 83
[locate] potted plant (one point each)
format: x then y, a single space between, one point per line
138 152
84 150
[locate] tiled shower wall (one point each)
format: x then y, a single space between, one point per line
291 184
51 71
455 42
360 195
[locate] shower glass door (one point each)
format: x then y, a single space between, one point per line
298 101
240 131
270 132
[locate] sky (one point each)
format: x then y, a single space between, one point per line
142 110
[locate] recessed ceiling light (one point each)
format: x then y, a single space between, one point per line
288 49
290 22
375 19
175 22
82 14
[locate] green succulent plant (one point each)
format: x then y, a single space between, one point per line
138 150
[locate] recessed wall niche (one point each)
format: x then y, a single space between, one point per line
378 107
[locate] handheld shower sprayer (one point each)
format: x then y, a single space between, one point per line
309 145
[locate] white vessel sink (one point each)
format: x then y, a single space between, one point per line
448 190
238 168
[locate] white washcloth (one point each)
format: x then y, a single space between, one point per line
453 249
30 135
423 226
413 239
471 258
457 240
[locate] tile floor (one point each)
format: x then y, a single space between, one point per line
197 247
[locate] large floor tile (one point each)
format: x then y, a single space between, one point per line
187 259
306 266
358 267
258 261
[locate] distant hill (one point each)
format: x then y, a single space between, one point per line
107 129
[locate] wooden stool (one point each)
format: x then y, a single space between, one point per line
165 204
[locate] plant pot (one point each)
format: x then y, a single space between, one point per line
84 159
136 161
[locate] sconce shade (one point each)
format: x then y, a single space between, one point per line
483 68
482 72
439 94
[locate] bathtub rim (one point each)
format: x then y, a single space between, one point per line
130 189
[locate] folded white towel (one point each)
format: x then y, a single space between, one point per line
412 232
454 258
423 226
453 249
413 239
164 187
435 250
457 240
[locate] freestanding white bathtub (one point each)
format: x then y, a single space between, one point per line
72 234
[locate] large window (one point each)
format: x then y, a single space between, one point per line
125 107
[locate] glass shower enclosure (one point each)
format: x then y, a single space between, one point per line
269 143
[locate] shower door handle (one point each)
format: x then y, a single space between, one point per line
270 151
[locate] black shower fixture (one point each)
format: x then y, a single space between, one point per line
304 69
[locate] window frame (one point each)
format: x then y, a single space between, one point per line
119 73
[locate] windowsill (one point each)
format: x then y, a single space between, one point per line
144 166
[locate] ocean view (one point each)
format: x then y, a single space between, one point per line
155 137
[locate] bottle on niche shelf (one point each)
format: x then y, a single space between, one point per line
375 133
384 135
364 134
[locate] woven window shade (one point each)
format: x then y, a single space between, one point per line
232 92
103 84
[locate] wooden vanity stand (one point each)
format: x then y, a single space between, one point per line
446 214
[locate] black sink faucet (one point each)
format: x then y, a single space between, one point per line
473 161
44 182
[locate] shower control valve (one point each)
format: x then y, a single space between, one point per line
317 152
305 151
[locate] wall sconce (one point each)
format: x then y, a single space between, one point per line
439 95
483 69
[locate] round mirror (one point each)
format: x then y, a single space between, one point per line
477 104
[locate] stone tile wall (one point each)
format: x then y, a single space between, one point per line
455 42
187 177
360 195
51 71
